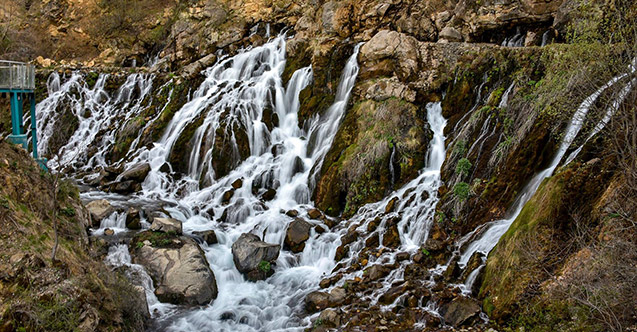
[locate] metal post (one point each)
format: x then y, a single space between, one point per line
34 127
15 115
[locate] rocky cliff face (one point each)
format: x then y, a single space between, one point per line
76 291
508 76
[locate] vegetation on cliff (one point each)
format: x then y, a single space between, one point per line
76 291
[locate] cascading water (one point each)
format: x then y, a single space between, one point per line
235 95
496 229
414 208
95 111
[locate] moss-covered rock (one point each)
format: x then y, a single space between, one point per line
356 170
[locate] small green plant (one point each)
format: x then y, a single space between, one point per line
140 245
4 203
461 190
425 252
318 322
460 148
265 266
463 167
441 217
345 285
68 211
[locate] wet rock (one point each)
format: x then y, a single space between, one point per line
316 301
108 232
341 252
225 198
474 261
210 237
437 238
166 225
392 294
330 318
372 241
298 166
292 213
375 272
137 173
99 210
314 213
460 312
125 187
337 297
238 183
391 238
391 205
297 233
133 220
181 273
402 256
268 195
166 168
253 257
453 271
325 283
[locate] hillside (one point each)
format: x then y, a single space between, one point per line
76 292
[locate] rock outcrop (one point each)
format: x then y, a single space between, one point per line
99 210
253 257
297 233
166 225
178 267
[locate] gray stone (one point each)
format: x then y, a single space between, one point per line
210 237
136 173
181 274
166 225
99 210
297 233
460 311
330 318
450 34
133 220
249 251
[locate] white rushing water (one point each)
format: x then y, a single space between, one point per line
96 113
236 96
243 102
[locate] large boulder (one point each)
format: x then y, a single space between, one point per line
316 301
297 233
460 311
99 210
209 236
178 267
133 220
136 173
166 225
253 257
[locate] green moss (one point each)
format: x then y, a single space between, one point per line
157 239
265 266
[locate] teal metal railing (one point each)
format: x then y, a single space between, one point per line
17 79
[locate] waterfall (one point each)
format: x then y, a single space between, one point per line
497 228
323 128
96 113
233 100
414 209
